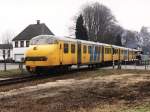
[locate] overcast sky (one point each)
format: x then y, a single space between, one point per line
58 15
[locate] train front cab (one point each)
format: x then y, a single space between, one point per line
43 52
58 54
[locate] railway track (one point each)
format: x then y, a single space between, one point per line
15 80
11 81
29 77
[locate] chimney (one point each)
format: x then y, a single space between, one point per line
38 21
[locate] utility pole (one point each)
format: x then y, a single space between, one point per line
113 61
4 61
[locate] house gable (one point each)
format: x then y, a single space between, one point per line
32 31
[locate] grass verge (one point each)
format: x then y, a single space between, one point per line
10 73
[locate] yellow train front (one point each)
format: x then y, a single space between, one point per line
43 52
50 52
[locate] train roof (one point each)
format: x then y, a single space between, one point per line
89 42
71 39
115 46
57 37
130 49
92 43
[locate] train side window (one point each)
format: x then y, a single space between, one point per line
99 49
116 51
106 51
89 49
96 49
84 49
111 50
66 48
72 48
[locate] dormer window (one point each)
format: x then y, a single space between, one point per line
21 43
16 43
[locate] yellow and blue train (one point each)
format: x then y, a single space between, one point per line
49 52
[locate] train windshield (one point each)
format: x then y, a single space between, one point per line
39 40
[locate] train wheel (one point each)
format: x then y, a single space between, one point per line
90 66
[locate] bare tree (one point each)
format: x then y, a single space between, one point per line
102 26
145 34
7 37
145 37
98 20
114 35
131 39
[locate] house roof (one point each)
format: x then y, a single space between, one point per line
6 46
32 31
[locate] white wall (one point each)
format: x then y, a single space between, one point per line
6 50
1 54
19 51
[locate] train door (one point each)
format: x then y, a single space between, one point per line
95 53
132 55
112 53
60 52
119 54
79 53
91 54
103 53
98 54
128 55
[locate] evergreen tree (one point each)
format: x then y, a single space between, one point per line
118 40
81 31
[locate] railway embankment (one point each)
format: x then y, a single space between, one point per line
83 91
